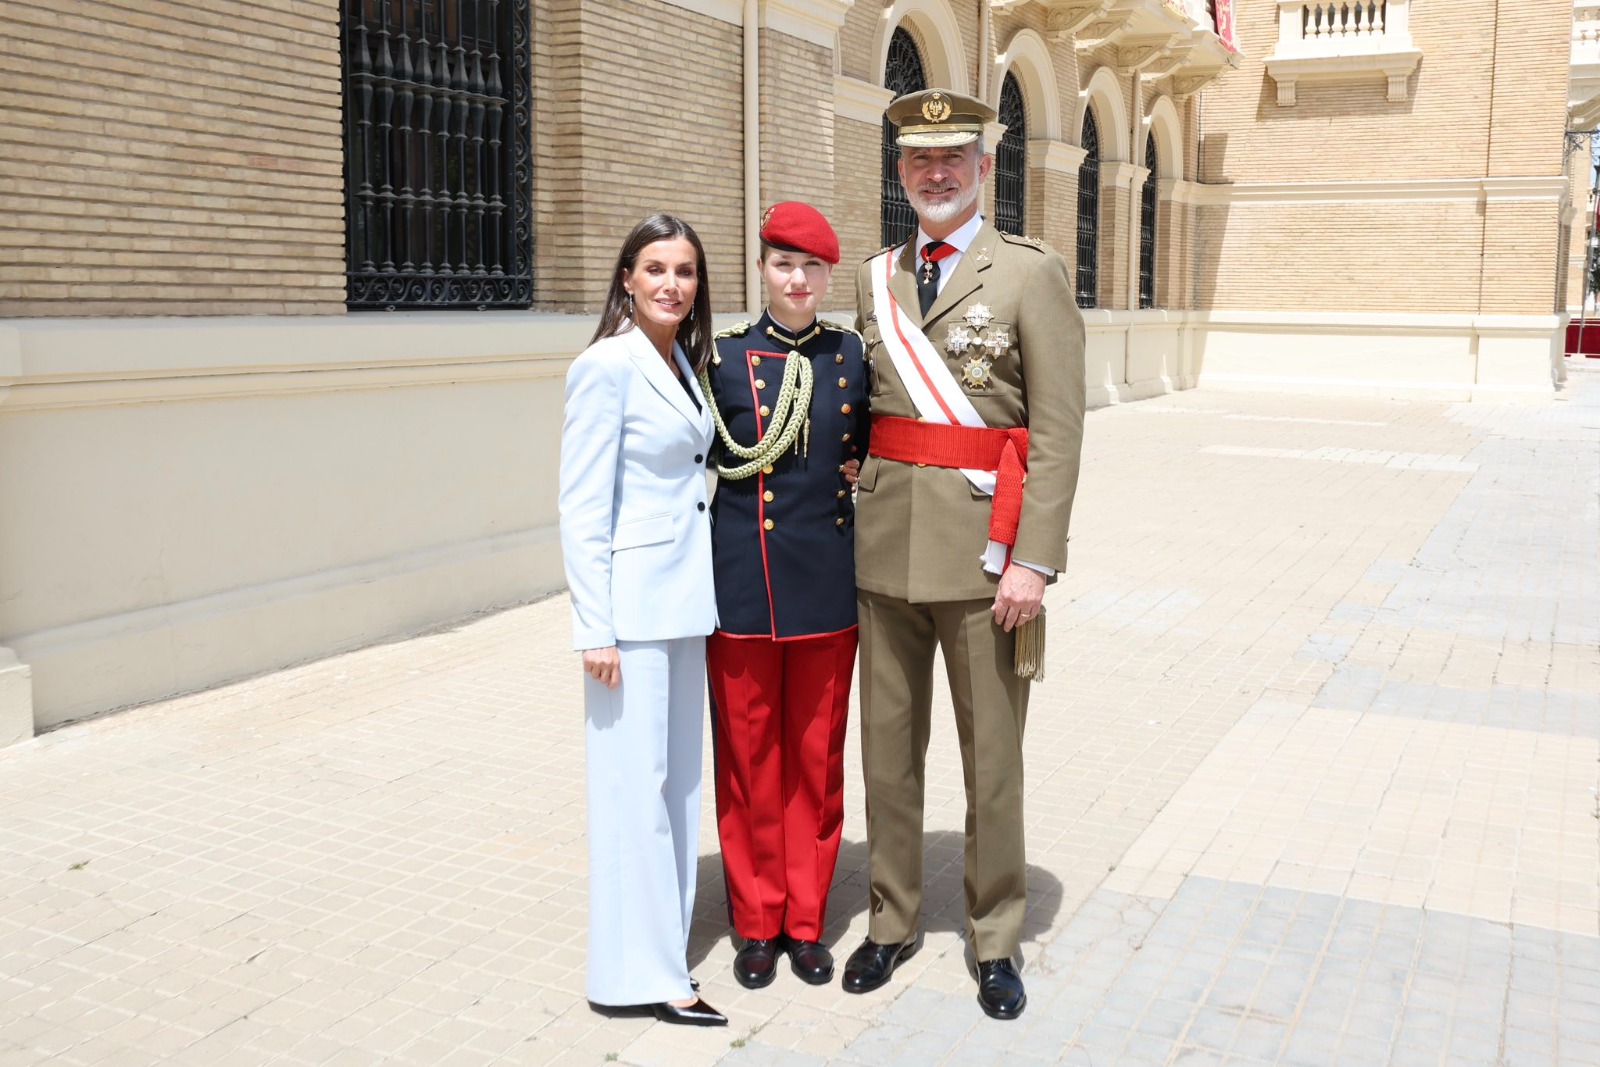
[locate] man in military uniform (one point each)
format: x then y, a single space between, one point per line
789 395
976 345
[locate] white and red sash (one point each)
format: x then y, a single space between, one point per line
929 382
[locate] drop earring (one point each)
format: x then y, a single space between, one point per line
630 305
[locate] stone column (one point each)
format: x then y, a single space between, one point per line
16 683
1053 195
1119 263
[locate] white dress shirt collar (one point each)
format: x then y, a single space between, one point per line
960 239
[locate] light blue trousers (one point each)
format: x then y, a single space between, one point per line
643 755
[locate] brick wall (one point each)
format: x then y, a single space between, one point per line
170 157
634 116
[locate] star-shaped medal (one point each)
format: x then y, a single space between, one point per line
979 315
958 339
977 373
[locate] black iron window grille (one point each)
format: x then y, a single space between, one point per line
1147 226
1089 214
1011 161
438 165
902 73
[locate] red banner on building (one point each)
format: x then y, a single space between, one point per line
1224 19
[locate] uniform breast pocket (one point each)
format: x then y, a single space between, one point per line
982 356
636 533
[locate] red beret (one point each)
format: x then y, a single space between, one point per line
796 227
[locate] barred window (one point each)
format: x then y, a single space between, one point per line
1147 226
1089 214
902 73
1011 161
438 166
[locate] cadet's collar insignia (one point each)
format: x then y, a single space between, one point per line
977 373
979 315
936 108
794 342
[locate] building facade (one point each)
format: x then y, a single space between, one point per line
288 290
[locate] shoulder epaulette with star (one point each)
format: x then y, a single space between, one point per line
1022 239
738 329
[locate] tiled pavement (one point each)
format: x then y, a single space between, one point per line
1313 780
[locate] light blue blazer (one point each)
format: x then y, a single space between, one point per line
635 532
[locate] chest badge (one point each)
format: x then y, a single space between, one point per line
977 372
973 334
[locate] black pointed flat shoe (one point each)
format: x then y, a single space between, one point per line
756 965
1000 992
871 965
697 1014
811 961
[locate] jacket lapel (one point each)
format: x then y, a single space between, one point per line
903 283
655 371
968 276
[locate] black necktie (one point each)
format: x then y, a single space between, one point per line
928 273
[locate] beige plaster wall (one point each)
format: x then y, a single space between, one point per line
189 502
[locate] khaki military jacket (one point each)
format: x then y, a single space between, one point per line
920 531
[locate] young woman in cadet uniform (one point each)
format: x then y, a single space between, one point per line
789 396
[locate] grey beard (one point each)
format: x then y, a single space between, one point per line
941 212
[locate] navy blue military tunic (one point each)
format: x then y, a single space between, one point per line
783 539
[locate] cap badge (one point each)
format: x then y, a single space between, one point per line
936 108
766 217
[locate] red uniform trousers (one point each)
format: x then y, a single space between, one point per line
780 714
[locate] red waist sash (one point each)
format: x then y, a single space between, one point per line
936 444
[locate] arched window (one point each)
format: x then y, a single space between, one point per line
1011 161
902 73
1147 226
1089 214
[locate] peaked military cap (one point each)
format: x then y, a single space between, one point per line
938 118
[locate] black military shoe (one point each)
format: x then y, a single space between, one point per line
871 965
756 965
1000 992
810 960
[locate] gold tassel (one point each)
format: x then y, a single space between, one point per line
805 439
1029 657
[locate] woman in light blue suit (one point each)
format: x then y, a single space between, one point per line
636 540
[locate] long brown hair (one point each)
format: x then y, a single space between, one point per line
694 333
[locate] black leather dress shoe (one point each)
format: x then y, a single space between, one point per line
1000 992
810 960
756 965
871 965
697 1014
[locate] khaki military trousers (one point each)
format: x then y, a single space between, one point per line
898 639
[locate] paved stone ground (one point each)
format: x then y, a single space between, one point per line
1313 780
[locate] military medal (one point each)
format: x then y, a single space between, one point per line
977 373
979 315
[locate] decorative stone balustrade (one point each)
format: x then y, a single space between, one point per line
1583 88
1342 41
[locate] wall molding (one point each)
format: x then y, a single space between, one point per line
1551 188
817 21
860 100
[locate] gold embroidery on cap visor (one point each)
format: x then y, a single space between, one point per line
946 136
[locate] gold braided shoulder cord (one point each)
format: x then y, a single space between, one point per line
789 418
